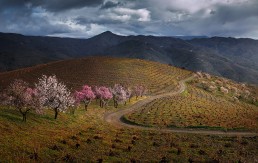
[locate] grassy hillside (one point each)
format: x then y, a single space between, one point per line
103 71
204 104
196 108
85 136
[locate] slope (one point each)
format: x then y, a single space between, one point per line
103 71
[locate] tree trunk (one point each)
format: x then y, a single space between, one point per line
86 104
56 113
102 104
24 117
24 114
114 102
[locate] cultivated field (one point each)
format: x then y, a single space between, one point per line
85 136
196 108
104 71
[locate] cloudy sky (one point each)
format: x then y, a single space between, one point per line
86 18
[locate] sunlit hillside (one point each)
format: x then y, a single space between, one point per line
183 118
103 71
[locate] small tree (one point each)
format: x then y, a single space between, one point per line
86 95
53 94
104 95
139 91
22 97
129 94
5 98
119 94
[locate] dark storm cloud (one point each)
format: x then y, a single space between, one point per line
225 20
60 5
110 4
85 18
239 12
52 5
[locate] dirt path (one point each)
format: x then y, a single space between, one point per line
115 118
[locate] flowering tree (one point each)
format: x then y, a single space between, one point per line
104 94
129 94
139 90
86 95
53 94
119 94
4 98
22 97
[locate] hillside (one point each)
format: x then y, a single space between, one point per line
178 121
103 71
227 57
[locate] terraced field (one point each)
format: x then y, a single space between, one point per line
198 109
158 78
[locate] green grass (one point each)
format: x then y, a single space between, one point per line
185 93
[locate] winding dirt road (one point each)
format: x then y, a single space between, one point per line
115 118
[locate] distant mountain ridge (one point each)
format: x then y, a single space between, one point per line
236 59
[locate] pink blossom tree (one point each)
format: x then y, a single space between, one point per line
119 94
104 94
53 94
139 90
22 97
86 95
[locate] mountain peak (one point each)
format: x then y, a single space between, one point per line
107 33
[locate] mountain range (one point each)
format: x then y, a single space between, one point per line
233 58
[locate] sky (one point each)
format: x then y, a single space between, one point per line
86 18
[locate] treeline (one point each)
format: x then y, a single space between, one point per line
49 93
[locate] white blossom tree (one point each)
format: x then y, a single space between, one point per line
119 94
53 94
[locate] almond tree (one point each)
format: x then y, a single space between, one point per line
139 90
129 94
119 94
4 98
53 94
86 95
104 95
22 97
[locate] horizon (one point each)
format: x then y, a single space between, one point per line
176 36
85 19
